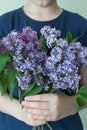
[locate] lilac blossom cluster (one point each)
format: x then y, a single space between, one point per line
51 35
58 70
64 61
29 57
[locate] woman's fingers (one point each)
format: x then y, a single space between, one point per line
39 97
35 121
37 111
37 105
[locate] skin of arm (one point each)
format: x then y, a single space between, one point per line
83 82
14 108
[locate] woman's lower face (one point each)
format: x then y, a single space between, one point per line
43 2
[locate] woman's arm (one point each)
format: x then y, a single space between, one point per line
14 108
7 106
83 73
83 81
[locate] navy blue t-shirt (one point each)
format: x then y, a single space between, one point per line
66 21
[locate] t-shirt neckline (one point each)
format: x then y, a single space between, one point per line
37 21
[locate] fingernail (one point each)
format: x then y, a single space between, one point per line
25 98
22 103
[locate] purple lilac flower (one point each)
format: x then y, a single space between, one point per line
11 40
51 35
83 56
29 57
29 35
64 75
24 80
47 30
59 70
62 43
63 64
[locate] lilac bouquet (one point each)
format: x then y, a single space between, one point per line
46 65
63 63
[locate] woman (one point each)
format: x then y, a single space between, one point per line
59 109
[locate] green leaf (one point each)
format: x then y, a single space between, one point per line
69 37
69 91
9 53
43 42
83 91
52 90
31 86
12 81
1 89
35 90
76 39
81 101
20 95
4 59
3 83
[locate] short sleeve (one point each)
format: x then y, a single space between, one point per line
84 38
1 28
83 32
4 25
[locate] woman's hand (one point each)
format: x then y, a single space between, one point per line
27 118
49 107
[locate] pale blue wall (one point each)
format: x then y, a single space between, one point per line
79 6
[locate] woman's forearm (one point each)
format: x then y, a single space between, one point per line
12 108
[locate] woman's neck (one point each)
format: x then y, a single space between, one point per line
42 10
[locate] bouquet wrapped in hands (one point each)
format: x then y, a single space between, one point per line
46 65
